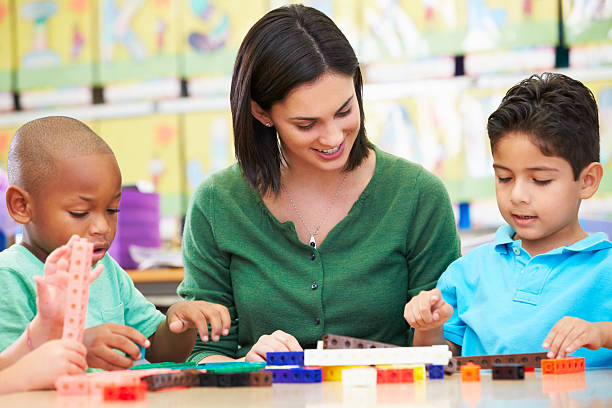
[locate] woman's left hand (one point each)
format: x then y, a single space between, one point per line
277 341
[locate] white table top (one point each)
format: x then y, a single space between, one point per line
592 389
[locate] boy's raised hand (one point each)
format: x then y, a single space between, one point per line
51 292
571 333
427 310
103 339
277 341
197 314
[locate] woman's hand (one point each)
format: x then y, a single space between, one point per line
277 341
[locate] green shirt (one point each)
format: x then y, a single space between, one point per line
397 239
112 296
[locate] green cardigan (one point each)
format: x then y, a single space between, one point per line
397 240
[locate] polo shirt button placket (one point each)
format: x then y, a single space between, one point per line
313 256
317 321
516 250
314 286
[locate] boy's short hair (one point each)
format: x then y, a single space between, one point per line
39 143
558 112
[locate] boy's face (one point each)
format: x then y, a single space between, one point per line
82 198
536 194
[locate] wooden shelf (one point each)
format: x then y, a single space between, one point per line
157 275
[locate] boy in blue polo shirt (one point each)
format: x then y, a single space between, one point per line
544 283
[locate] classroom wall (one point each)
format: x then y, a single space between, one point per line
163 66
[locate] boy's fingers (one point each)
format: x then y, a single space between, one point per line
78 360
555 343
62 265
125 345
130 333
109 363
226 321
42 291
216 325
425 310
176 325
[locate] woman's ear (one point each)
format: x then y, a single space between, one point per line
19 204
260 114
590 177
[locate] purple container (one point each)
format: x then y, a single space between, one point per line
138 224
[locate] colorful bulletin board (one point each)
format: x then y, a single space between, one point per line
6 52
405 29
444 132
54 43
148 148
208 144
212 31
587 22
603 94
6 135
139 39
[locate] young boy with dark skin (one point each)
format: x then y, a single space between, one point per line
65 181
544 284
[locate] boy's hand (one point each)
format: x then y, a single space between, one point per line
51 288
198 314
427 310
277 341
40 368
51 293
101 342
571 333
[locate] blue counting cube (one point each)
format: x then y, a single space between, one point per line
435 372
285 358
295 375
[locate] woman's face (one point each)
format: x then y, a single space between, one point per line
318 122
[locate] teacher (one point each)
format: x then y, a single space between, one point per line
314 230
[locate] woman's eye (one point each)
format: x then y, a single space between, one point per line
344 113
305 127
113 210
78 214
504 179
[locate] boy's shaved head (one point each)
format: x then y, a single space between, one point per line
38 144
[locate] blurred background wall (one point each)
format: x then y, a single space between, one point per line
152 78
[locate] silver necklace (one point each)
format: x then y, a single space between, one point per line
313 242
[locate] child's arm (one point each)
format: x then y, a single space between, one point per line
40 368
426 313
571 333
175 336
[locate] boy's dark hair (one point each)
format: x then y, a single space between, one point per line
558 112
38 144
287 47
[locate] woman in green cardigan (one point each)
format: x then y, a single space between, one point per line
314 230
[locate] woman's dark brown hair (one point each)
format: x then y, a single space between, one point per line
287 47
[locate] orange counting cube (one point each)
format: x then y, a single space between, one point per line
562 365
470 372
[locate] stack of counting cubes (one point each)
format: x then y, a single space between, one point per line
78 289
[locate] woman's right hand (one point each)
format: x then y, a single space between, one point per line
277 341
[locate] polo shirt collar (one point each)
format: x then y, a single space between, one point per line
503 242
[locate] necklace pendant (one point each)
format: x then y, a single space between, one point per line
312 242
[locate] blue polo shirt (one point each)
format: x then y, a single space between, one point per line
506 301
